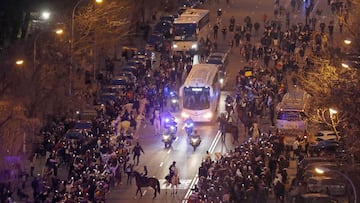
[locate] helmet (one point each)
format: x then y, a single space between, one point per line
174 162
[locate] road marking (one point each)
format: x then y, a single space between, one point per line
161 164
185 183
195 180
143 194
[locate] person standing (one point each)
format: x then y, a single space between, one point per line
215 29
137 152
128 171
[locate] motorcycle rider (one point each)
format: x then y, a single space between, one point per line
189 124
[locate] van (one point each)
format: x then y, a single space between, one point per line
291 118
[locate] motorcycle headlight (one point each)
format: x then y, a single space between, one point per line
221 80
167 120
194 139
165 136
208 115
175 46
172 127
194 46
184 115
174 101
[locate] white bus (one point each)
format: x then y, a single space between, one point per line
199 95
189 28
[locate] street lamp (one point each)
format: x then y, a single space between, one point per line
57 31
19 62
344 65
72 41
347 41
326 170
45 15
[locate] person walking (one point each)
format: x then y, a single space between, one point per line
137 152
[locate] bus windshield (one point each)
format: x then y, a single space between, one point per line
196 98
289 115
185 32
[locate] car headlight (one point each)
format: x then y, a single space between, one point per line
175 46
194 46
184 115
208 115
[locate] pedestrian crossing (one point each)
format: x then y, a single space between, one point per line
185 184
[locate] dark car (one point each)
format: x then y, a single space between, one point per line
315 198
83 125
163 27
156 40
107 97
326 146
131 77
168 18
218 58
128 68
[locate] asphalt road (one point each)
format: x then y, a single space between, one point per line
157 158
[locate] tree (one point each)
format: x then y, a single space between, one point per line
333 86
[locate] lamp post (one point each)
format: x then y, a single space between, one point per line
57 31
20 64
325 170
333 114
72 41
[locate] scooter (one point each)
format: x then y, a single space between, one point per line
195 141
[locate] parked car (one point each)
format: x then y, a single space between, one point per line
327 185
315 198
156 40
218 58
308 160
128 68
164 27
129 75
167 18
324 135
119 82
328 146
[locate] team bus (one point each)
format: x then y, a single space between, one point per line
199 95
191 26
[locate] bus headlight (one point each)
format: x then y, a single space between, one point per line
184 115
194 46
208 115
221 80
175 46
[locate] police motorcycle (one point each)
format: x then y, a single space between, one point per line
188 126
174 100
195 140
170 123
168 138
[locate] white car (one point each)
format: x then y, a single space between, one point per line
325 135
